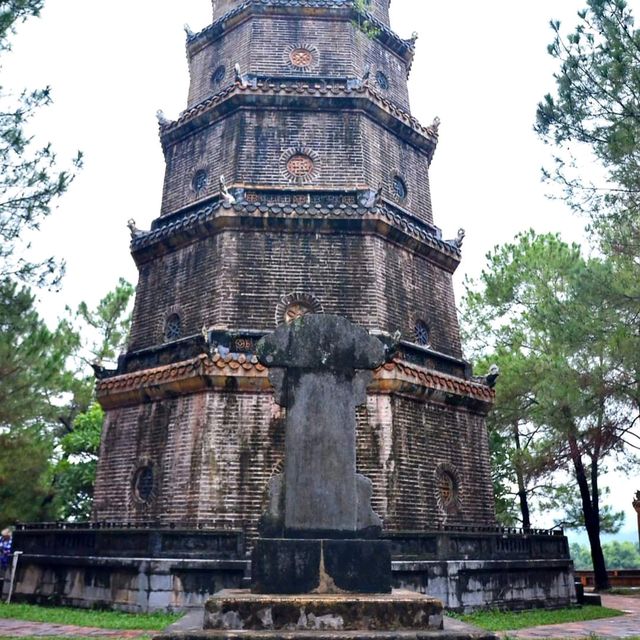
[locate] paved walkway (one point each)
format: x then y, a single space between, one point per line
622 627
22 629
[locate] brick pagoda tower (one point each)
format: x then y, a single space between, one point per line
297 181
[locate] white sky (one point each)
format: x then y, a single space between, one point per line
481 67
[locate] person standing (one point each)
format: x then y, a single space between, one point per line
5 550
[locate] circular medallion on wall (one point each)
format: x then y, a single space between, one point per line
300 165
199 181
400 190
172 327
143 482
422 334
448 488
382 81
218 75
295 305
302 57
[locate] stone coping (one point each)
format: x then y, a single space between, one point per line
213 372
336 87
240 609
218 217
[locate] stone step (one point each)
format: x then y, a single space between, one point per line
327 635
244 610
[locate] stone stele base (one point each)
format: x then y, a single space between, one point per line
243 610
292 566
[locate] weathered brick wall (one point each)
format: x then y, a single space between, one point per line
249 147
378 8
261 46
385 156
213 455
236 279
401 445
226 52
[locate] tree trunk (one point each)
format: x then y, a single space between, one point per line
522 489
591 517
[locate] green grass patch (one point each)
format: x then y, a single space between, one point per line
511 620
88 618
632 592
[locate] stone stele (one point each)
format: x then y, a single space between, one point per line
320 366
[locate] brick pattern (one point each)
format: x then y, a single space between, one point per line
214 453
236 280
261 46
212 449
250 147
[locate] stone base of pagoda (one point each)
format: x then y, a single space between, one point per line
246 611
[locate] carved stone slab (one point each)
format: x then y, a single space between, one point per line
320 366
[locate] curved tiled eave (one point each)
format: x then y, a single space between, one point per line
244 374
343 9
339 96
314 219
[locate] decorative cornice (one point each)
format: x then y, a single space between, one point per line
244 374
191 376
202 114
401 377
380 31
213 218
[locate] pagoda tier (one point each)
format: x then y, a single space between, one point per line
297 182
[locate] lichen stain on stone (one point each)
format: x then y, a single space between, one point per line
326 584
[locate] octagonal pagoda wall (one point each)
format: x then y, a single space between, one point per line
262 45
251 147
213 453
235 280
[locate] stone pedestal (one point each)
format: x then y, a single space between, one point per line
402 610
289 566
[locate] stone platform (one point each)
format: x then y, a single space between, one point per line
328 635
243 610
401 615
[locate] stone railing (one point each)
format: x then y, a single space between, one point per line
128 541
466 543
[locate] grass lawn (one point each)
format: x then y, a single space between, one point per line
87 618
621 591
511 621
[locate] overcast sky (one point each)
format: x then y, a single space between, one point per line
481 67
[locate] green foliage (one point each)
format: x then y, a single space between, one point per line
511 621
25 491
362 20
13 12
86 618
32 360
619 555
581 557
563 401
110 322
593 123
49 430
75 473
30 178
596 105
